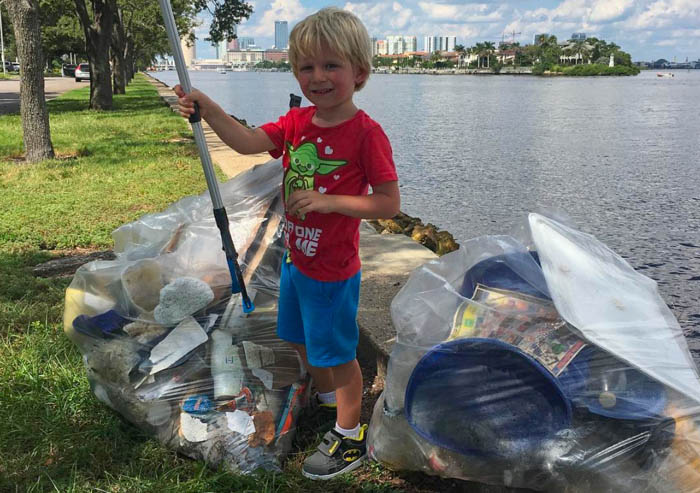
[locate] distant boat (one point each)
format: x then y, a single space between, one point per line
222 70
664 74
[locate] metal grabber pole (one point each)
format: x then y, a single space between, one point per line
237 284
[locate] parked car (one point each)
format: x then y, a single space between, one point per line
8 66
68 70
15 66
82 72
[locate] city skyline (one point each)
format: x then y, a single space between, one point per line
647 29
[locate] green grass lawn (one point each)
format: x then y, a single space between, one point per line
112 167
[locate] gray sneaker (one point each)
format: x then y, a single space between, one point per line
336 455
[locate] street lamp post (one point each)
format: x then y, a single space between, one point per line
2 44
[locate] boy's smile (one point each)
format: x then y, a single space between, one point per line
329 81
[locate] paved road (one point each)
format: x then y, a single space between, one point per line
53 86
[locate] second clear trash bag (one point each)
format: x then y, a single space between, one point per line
545 363
166 344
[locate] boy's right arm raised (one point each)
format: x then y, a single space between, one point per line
237 136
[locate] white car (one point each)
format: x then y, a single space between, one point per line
82 72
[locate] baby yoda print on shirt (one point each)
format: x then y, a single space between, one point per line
304 164
341 160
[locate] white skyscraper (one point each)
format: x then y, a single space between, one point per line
439 43
394 45
410 44
397 45
188 52
221 50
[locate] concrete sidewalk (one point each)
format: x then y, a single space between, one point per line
387 259
53 87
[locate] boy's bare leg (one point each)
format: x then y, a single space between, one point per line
323 377
348 393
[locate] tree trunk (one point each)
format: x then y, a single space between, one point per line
35 116
129 59
118 49
98 36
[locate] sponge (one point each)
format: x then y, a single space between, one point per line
181 298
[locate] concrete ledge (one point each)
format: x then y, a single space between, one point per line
387 261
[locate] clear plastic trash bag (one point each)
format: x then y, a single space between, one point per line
552 366
166 344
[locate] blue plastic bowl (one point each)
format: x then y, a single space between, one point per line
497 272
484 397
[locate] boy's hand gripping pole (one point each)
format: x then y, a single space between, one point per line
237 283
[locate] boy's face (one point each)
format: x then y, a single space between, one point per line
328 81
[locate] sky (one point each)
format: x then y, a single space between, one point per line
647 29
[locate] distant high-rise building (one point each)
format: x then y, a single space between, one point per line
281 35
244 42
578 37
381 47
394 45
439 43
373 43
397 45
188 52
221 49
233 44
410 43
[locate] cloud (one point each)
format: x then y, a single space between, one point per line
263 24
382 19
667 42
660 14
610 10
470 12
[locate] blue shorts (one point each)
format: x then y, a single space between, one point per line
320 315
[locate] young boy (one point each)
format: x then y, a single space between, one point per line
332 153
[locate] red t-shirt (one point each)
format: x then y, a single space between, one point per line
340 160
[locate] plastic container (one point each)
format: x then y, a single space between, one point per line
484 397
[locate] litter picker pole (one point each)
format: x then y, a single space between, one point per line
237 284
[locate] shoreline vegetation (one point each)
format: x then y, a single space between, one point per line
571 71
587 70
580 56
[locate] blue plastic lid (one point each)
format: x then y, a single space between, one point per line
517 271
484 397
611 388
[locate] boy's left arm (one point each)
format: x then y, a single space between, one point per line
383 203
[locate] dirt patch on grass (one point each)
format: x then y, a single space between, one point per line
68 261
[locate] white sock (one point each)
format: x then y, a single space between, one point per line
327 397
352 432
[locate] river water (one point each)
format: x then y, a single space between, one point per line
619 155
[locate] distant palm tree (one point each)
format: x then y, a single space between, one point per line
489 48
582 50
462 52
479 50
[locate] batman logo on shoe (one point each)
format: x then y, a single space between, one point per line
351 455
